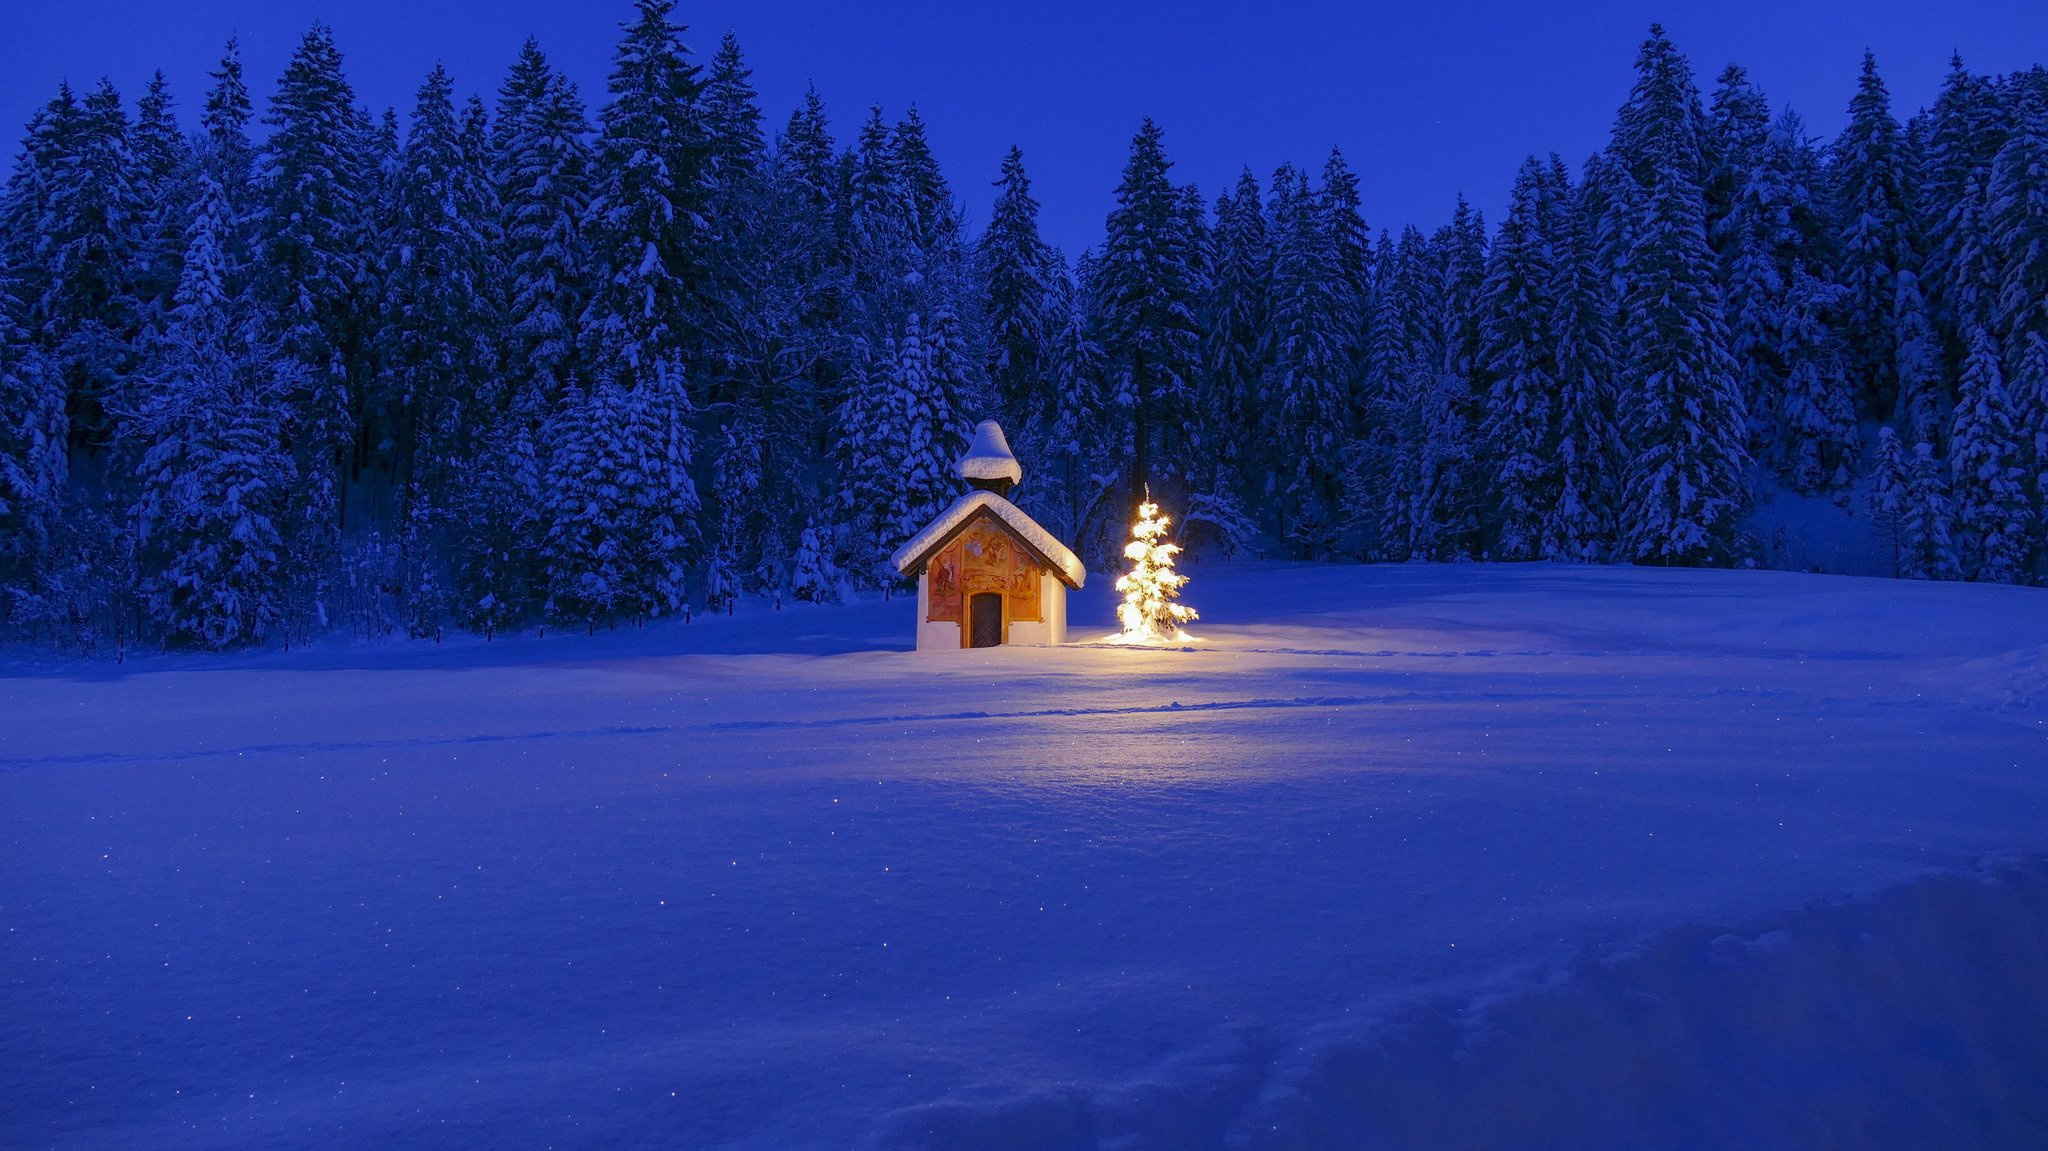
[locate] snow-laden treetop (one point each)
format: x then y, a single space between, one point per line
989 456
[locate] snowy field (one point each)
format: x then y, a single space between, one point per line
1399 856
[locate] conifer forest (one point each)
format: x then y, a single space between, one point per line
274 366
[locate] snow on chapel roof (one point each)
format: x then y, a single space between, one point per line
919 547
989 456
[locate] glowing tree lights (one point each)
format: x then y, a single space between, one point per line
1151 611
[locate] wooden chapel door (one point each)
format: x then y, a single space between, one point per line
985 620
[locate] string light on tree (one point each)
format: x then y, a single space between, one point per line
1152 611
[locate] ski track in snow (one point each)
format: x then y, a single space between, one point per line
1395 857
174 757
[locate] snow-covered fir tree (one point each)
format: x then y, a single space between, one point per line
34 460
1992 518
223 151
164 195
1518 364
1580 526
1682 407
438 288
1815 442
1872 222
2016 222
743 315
543 163
1924 393
1962 132
812 578
926 431
1016 269
1386 482
1305 396
649 235
1451 486
1149 284
736 483
1341 221
621 504
2029 384
73 223
1926 545
1234 325
1775 221
313 219
214 478
1890 488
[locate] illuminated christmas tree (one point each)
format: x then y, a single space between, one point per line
1151 611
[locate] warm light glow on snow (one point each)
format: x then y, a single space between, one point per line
1151 611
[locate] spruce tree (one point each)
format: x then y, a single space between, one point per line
225 153
498 526
1682 407
164 198
1926 549
437 289
641 329
1384 495
928 434
543 166
2030 401
214 476
621 505
34 460
736 483
1872 221
1148 285
869 427
224 129
744 317
812 579
931 220
1446 401
1015 268
647 219
1816 426
1235 326
1992 520
1923 391
1776 222
1737 133
314 217
1965 129
1344 230
735 147
1890 491
2016 222
1518 364
75 220
1305 396
1581 526
1065 488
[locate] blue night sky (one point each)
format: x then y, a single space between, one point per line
1426 99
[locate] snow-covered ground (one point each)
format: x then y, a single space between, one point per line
1398 856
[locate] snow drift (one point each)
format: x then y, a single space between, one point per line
1917 1017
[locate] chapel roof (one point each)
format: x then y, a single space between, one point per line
1043 544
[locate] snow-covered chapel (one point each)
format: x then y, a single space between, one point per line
987 574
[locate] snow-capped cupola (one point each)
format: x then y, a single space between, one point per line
988 574
989 464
